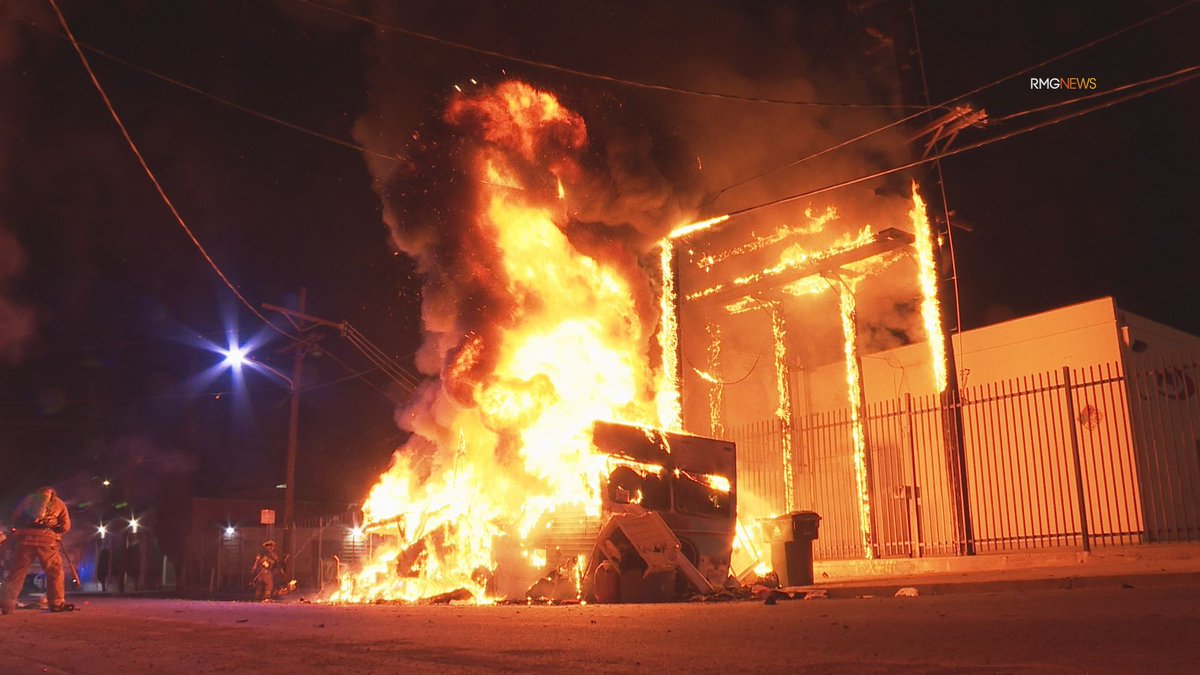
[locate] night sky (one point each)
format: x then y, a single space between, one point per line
103 297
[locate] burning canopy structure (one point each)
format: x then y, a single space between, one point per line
786 270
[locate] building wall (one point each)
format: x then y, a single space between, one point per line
1138 454
1165 406
1078 336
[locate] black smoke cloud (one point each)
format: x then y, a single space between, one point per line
655 160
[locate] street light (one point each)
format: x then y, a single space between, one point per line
237 356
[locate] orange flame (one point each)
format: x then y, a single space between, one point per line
793 257
513 436
927 278
815 225
784 410
670 414
854 384
685 230
716 393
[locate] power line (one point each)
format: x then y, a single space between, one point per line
267 117
395 371
948 102
241 108
154 179
1087 97
1080 48
960 150
590 75
360 375
374 354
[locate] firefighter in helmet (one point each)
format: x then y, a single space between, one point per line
262 574
40 521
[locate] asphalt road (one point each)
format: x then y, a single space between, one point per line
1081 630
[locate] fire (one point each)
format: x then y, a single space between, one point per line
506 438
858 435
716 393
718 483
793 257
784 409
670 414
815 225
685 230
927 278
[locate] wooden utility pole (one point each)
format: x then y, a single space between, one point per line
299 349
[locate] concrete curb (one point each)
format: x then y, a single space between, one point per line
944 587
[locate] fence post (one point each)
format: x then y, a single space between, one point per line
914 510
1083 523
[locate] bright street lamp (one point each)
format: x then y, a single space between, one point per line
237 356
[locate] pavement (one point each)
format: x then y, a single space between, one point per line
1085 630
1146 566
1129 610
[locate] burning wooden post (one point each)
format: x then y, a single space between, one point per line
784 410
670 414
716 392
857 398
946 378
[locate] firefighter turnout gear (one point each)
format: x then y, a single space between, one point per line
262 573
38 525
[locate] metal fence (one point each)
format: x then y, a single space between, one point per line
220 559
1097 456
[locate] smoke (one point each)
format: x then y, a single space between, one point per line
17 323
653 160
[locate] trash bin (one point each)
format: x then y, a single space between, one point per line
791 538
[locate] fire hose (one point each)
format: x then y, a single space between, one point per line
74 572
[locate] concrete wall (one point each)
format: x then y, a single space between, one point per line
1018 422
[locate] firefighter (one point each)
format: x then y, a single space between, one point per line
262 574
40 521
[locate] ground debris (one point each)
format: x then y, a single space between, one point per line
759 592
907 592
447 598
540 600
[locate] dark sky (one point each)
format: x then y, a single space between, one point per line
103 294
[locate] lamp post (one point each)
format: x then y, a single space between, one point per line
236 357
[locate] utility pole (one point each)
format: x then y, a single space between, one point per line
299 349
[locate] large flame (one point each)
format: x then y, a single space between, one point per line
858 433
670 413
815 225
927 278
783 410
716 393
516 405
792 258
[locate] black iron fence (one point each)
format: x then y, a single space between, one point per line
220 559
1080 457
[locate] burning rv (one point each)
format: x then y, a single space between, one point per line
687 482
668 514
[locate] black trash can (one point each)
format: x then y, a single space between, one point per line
792 536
